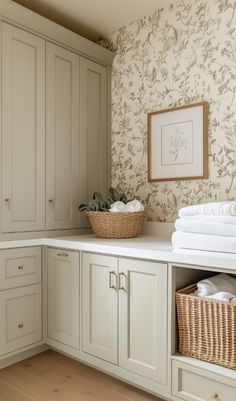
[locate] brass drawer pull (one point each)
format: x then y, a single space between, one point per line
20 267
121 286
64 254
111 285
20 326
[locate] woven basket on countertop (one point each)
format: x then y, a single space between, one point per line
207 328
116 225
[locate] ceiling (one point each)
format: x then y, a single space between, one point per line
93 18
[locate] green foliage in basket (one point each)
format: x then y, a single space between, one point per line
98 204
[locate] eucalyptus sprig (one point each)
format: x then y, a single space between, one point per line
98 204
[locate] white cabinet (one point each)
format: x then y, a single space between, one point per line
20 299
20 266
20 318
62 138
23 130
138 290
63 296
193 384
100 306
143 318
94 104
54 132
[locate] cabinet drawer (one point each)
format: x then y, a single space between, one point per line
20 266
194 384
20 318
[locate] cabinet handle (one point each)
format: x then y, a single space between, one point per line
7 200
122 287
20 326
112 273
214 396
20 267
64 254
51 201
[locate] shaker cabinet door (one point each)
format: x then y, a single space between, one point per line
94 104
143 318
62 138
63 296
23 130
100 306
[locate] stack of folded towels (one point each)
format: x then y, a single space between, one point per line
209 227
221 287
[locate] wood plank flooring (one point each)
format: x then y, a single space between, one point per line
51 376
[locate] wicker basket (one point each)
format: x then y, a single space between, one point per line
116 225
207 328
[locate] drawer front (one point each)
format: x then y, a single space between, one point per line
194 384
20 266
20 318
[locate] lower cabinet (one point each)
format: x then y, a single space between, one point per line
20 318
193 384
100 312
63 296
128 297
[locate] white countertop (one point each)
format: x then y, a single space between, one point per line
152 247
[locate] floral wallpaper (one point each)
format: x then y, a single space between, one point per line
179 55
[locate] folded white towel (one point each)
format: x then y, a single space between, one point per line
219 283
205 227
227 208
223 296
204 242
215 219
132 206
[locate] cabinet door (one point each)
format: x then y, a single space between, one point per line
143 318
94 103
63 296
23 130
100 306
20 318
62 137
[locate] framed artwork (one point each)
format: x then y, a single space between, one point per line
178 143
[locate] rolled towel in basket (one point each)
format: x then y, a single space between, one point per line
227 208
220 283
132 206
223 296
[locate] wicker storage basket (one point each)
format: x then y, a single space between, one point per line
207 328
116 225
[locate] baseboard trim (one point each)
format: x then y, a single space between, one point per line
23 355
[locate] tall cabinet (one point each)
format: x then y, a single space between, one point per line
54 131
62 137
23 130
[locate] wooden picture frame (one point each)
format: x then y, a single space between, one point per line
170 130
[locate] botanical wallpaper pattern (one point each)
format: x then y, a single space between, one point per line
179 55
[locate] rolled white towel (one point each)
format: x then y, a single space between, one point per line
220 283
223 296
227 208
205 227
132 206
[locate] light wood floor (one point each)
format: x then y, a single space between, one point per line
53 377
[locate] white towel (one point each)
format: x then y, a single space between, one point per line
205 227
132 206
219 283
223 296
227 208
204 242
215 219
